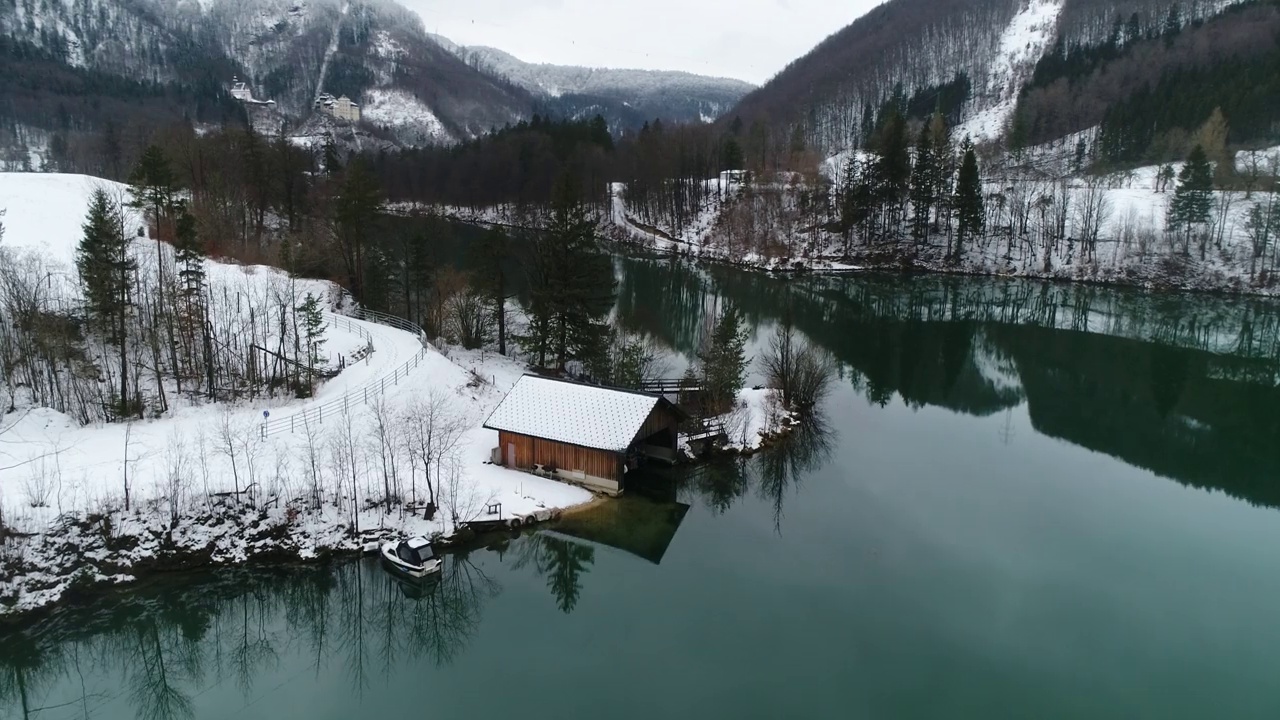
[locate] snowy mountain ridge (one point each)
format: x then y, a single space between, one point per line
669 95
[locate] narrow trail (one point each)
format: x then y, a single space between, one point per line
83 451
331 50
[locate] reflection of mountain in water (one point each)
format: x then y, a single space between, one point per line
1185 386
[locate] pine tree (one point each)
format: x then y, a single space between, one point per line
944 166
923 186
492 256
731 156
151 186
189 254
968 199
355 214
571 285
331 160
106 274
312 336
1193 198
191 311
724 362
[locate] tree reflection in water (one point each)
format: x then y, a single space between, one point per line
561 561
781 468
157 652
774 472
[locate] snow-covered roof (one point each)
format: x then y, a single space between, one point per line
586 415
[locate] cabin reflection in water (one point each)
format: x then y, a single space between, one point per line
636 524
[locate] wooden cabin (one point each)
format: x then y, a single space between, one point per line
582 433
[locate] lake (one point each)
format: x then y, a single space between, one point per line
1019 500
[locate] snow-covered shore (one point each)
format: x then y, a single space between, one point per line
1126 212
210 483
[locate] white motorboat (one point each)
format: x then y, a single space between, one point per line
413 557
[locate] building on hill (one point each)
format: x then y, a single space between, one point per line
341 108
585 434
241 91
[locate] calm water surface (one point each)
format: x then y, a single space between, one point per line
1021 500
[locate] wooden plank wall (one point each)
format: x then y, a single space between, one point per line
662 418
531 451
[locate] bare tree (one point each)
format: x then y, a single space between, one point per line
229 446
1093 209
384 438
346 460
460 495
311 461
176 480
798 370
435 430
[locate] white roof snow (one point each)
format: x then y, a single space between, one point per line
585 415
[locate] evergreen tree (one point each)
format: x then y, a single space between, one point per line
892 171
724 362
571 285
313 339
968 199
189 254
1193 198
492 252
331 160
731 156
944 164
111 152
355 214
924 177
151 186
106 274
192 310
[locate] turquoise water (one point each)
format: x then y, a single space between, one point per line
1020 500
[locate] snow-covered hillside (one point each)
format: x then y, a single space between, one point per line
1109 229
677 96
210 480
287 51
1023 43
405 115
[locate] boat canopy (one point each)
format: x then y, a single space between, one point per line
415 552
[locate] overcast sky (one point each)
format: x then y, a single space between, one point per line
746 39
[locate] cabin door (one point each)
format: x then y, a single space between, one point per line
511 455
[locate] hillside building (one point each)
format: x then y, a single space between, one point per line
341 108
241 91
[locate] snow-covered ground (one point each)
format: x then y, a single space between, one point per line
1023 43
66 485
766 229
401 112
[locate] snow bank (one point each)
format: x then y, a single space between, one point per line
205 484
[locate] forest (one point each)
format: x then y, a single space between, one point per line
1150 87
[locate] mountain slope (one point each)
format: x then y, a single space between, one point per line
914 47
627 98
288 50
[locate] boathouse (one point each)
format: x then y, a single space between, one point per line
586 434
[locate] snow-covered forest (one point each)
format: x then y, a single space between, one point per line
277 417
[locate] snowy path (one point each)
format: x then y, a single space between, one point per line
80 453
